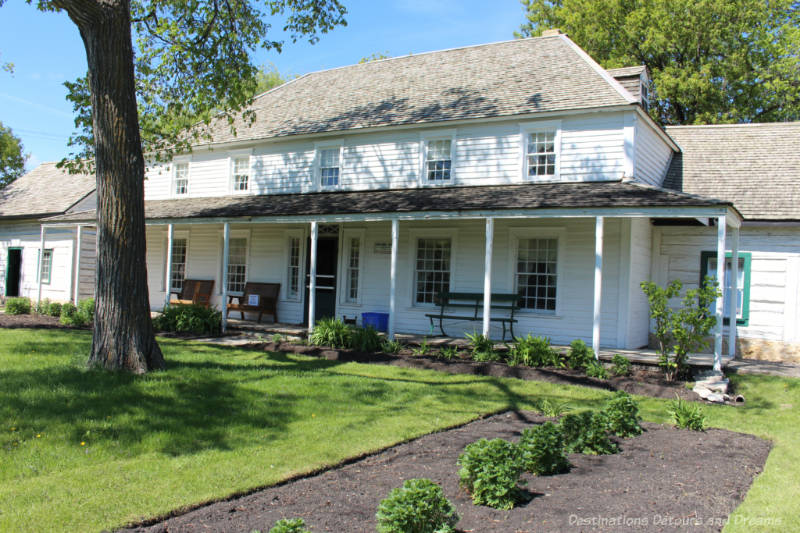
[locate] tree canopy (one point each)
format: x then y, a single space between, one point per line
711 61
12 159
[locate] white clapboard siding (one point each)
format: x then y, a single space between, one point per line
88 262
158 181
774 273
280 168
652 155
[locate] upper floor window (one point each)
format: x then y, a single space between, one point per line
329 167
241 174
181 179
438 160
541 150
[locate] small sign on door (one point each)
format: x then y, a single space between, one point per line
253 299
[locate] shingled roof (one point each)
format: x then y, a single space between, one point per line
510 78
45 190
420 200
755 166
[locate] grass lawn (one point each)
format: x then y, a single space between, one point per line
87 450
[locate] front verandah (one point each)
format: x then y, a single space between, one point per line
399 258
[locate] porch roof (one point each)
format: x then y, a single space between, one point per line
585 198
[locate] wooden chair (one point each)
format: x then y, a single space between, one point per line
195 292
261 298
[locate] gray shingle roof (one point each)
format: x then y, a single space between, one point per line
755 166
45 190
624 72
531 196
502 79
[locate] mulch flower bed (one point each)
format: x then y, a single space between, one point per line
32 321
663 480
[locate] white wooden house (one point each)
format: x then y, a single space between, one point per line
516 167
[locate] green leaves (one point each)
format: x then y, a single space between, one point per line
490 471
12 160
542 449
419 506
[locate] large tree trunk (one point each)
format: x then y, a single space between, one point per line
123 331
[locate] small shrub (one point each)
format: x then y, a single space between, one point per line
42 307
482 348
71 317
424 348
419 506
18 306
687 415
448 352
586 433
276 338
388 346
553 409
365 340
194 319
621 414
579 355
542 449
595 369
54 309
331 332
290 525
621 365
490 471
533 351
86 308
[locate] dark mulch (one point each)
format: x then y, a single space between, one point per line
32 321
664 480
642 382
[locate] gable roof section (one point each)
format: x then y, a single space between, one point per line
523 76
755 166
46 190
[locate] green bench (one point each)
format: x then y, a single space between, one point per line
454 306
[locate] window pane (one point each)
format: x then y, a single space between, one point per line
438 161
241 173
433 269
541 153
353 261
47 266
329 167
237 265
178 264
294 267
537 291
181 178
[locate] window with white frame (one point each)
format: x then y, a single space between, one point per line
432 269
237 264
329 167
536 274
46 269
540 150
181 179
740 294
241 174
438 160
178 274
293 268
353 269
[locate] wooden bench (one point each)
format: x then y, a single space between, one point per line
194 292
453 306
258 298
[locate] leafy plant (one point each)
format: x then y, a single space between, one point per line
388 346
290 525
595 369
533 351
54 309
687 415
18 306
621 415
86 309
661 314
71 317
490 471
482 348
448 352
42 307
331 332
194 319
542 449
424 348
585 432
621 365
365 340
553 409
579 355
419 506
276 338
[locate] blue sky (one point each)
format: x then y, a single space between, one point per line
46 50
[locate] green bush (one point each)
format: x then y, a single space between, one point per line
71 317
542 449
621 415
687 415
490 471
331 332
595 369
551 408
579 355
419 506
482 348
18 306
621 365
423 349
388 346
365 340
290 525
533 351
86 308
189 319
448 352
42 307
54 309
585 432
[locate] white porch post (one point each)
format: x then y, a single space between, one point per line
76 272
720 275
734 293
168 280
393 279
226 246
312 282
487 276
598 284
41 263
